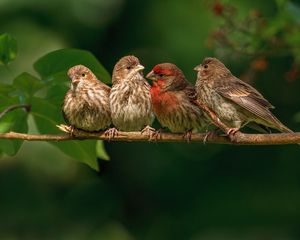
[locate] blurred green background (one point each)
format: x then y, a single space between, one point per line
152 190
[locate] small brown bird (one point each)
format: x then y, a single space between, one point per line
235 102
173 100
130 100
86 104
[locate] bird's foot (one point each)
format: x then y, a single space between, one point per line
210 134
231 133
72 128
187 135
111 133
156 135
148 130
66 128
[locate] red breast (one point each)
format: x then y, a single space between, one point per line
162 102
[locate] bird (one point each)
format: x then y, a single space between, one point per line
130 100
234 102
86 104
173 100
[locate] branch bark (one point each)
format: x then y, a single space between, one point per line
239 139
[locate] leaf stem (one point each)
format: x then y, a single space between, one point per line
26 107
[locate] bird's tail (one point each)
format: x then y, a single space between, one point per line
282 128
285 129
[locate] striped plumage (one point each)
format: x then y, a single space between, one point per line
86 104
130 96
235 102
173 100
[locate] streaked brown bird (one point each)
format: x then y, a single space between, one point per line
130 100
173 100
235 102
86 104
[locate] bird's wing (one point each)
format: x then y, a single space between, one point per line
65 117
63 112
103 86
106 88
247 97
190 92
232 87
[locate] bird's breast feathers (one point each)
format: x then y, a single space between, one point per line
163 102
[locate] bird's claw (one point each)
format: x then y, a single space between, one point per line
210 134
231 133
68 129
187 135
148 130
72 128
111 133
207 135
156 135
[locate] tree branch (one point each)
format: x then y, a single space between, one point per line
239 139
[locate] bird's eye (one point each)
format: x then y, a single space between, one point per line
205 66
161 75
129 67
83 74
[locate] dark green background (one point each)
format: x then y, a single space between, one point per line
148 190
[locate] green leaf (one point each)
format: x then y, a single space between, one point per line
12 121
81 150
27 85
281 3
56 93
15 121
101 153
6 89
294 11
46 116
8 48
58 62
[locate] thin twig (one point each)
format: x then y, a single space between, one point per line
240 138
13 107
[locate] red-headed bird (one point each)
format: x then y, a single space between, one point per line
173 100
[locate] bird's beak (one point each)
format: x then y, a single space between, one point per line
139 68
197 68
151 76
75 81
